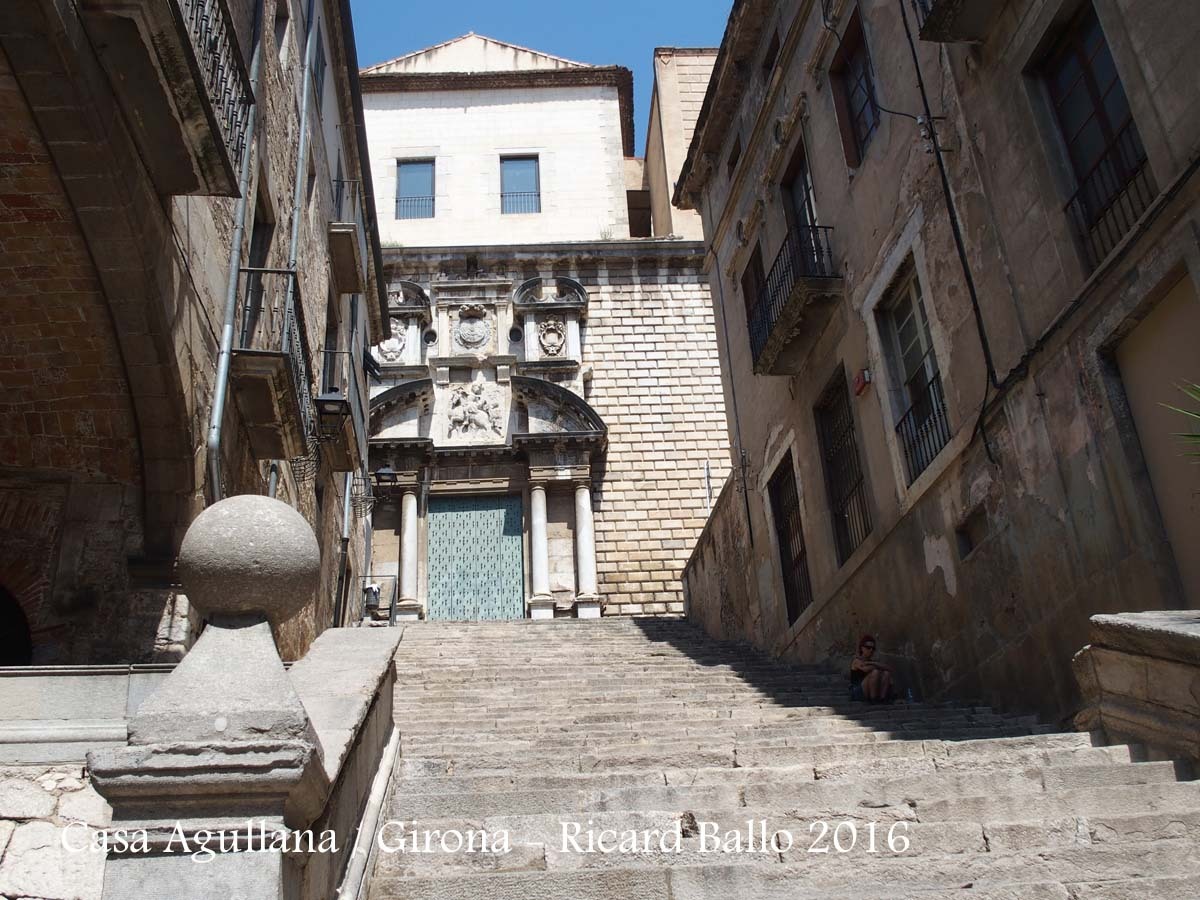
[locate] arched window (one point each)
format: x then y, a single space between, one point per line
16 646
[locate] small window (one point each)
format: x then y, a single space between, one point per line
754 279
520 185
319 69
845 484
793 556
735 154
854 91
770 57
414 188
921 422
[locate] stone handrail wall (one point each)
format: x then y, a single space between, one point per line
1140 679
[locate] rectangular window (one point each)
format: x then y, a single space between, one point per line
319 69
770 56
785 510
414 188
845 484
754 280
1102 141
520 185
854 91
735 154
922 425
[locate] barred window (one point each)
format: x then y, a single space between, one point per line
845 483
793 555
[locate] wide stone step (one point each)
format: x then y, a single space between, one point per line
856 874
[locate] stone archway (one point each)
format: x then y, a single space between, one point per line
16 642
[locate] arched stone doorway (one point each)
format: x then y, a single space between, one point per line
16 643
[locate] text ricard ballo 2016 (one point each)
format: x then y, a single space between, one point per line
750 836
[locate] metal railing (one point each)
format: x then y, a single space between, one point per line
521 202
271 319
347 205
377 593
1112 196
924 429
805 253
341 373
414 207
210 30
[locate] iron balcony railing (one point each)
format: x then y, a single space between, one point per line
1112 196
271 320
342 374
805 253
521 202
924 429
347 200
210 29
414 207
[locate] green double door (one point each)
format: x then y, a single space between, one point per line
476 558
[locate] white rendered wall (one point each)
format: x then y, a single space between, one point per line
575 132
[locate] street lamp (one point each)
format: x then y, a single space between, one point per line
332 411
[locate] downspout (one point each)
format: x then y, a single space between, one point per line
300 182
338 584
225 353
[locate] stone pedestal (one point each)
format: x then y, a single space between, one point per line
225 741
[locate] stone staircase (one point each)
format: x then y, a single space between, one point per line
648 725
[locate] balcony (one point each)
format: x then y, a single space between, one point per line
415 207
795 302
1112 196
269 371
347 238
341 413
924 429
954 21
179 75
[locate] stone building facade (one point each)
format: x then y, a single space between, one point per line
967 456
128 133
547 430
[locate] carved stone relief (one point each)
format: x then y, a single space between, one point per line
473 329
552 336
392 350
475 410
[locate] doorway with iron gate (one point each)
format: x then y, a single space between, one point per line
475 558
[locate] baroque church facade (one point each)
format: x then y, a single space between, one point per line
547 427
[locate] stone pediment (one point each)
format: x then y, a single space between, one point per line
484 413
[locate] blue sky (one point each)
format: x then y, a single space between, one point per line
614 32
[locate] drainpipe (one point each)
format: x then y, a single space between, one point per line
221 387
338 584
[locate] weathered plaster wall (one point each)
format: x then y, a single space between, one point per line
979 576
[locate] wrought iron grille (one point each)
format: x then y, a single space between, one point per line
521 202
793 555
272 312
924 429
1112 196
844 481
210 28
346 202
414 207
805 253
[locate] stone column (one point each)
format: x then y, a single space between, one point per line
408 607
541 604
225 738
587 597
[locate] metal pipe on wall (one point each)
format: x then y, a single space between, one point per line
225 353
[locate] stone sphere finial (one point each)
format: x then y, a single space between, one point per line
249 555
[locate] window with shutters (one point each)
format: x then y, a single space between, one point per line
845 484
793 556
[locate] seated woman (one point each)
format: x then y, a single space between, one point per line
869 680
